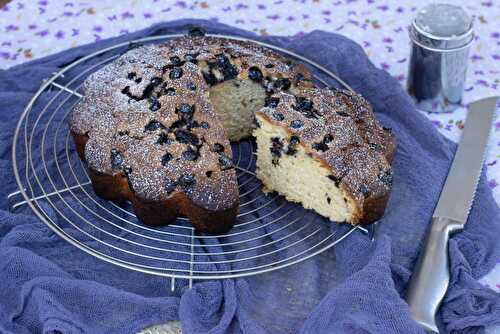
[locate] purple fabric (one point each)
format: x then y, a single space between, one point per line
48 285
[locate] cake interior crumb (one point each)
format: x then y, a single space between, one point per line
299 177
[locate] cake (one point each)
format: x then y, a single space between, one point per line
154 128
325 149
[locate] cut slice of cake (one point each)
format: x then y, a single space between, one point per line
325 150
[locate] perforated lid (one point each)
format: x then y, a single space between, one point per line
443 26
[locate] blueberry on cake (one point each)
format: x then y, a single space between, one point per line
154 128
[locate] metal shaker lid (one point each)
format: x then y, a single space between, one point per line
442 28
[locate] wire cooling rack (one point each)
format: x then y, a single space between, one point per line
270 232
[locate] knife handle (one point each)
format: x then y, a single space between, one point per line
431 275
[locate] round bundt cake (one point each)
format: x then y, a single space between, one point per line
154 128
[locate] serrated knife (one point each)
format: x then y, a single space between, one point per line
431 275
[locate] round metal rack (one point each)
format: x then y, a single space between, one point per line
270 232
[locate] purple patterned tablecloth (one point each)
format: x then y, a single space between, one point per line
34 29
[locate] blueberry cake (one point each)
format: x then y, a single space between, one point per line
325 149
154 128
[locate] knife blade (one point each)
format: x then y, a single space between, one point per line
431 275
464 174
